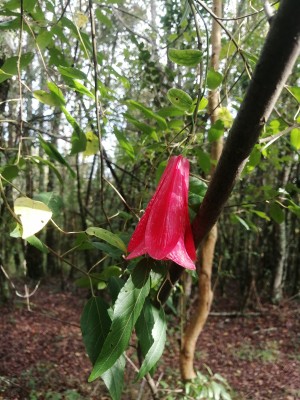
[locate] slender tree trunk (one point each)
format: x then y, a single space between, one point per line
199 318
281 250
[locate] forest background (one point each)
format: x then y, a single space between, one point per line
94 99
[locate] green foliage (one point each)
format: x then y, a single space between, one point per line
180 99
10 66
108 237
188 57
126 311
158 335
267 352
214 79
211 386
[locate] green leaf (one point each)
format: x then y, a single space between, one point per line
296 92
80 88
214 79
216 131
159 340
276 213
127 309
13 24
37 243
44 38
10 66
149 113
140 125
71 72
39 160
294 208
236 219
124 143
261 214
103 18
108 249
78 138
202 105
170 111
203 159
46 98
54 89
295 138
187 58
144 326
52 200
95 324
114 378
92 144
9 172
53 153
180 99
197 190
108 237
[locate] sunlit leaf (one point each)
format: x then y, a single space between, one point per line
296 92
92 144
295 138
34 215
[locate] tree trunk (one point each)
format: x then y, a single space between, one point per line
205 294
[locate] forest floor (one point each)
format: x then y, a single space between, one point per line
42 355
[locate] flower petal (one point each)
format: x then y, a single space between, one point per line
138 235
167 217
180 256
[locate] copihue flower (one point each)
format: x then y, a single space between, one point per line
164 231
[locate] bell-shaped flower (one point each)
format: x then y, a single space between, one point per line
164 231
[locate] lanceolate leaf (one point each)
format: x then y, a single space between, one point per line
108 237
127 309
37 243
53 153
95 324
114 378
144 326
159 340
149 113
188 58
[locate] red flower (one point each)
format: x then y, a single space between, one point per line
164 231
